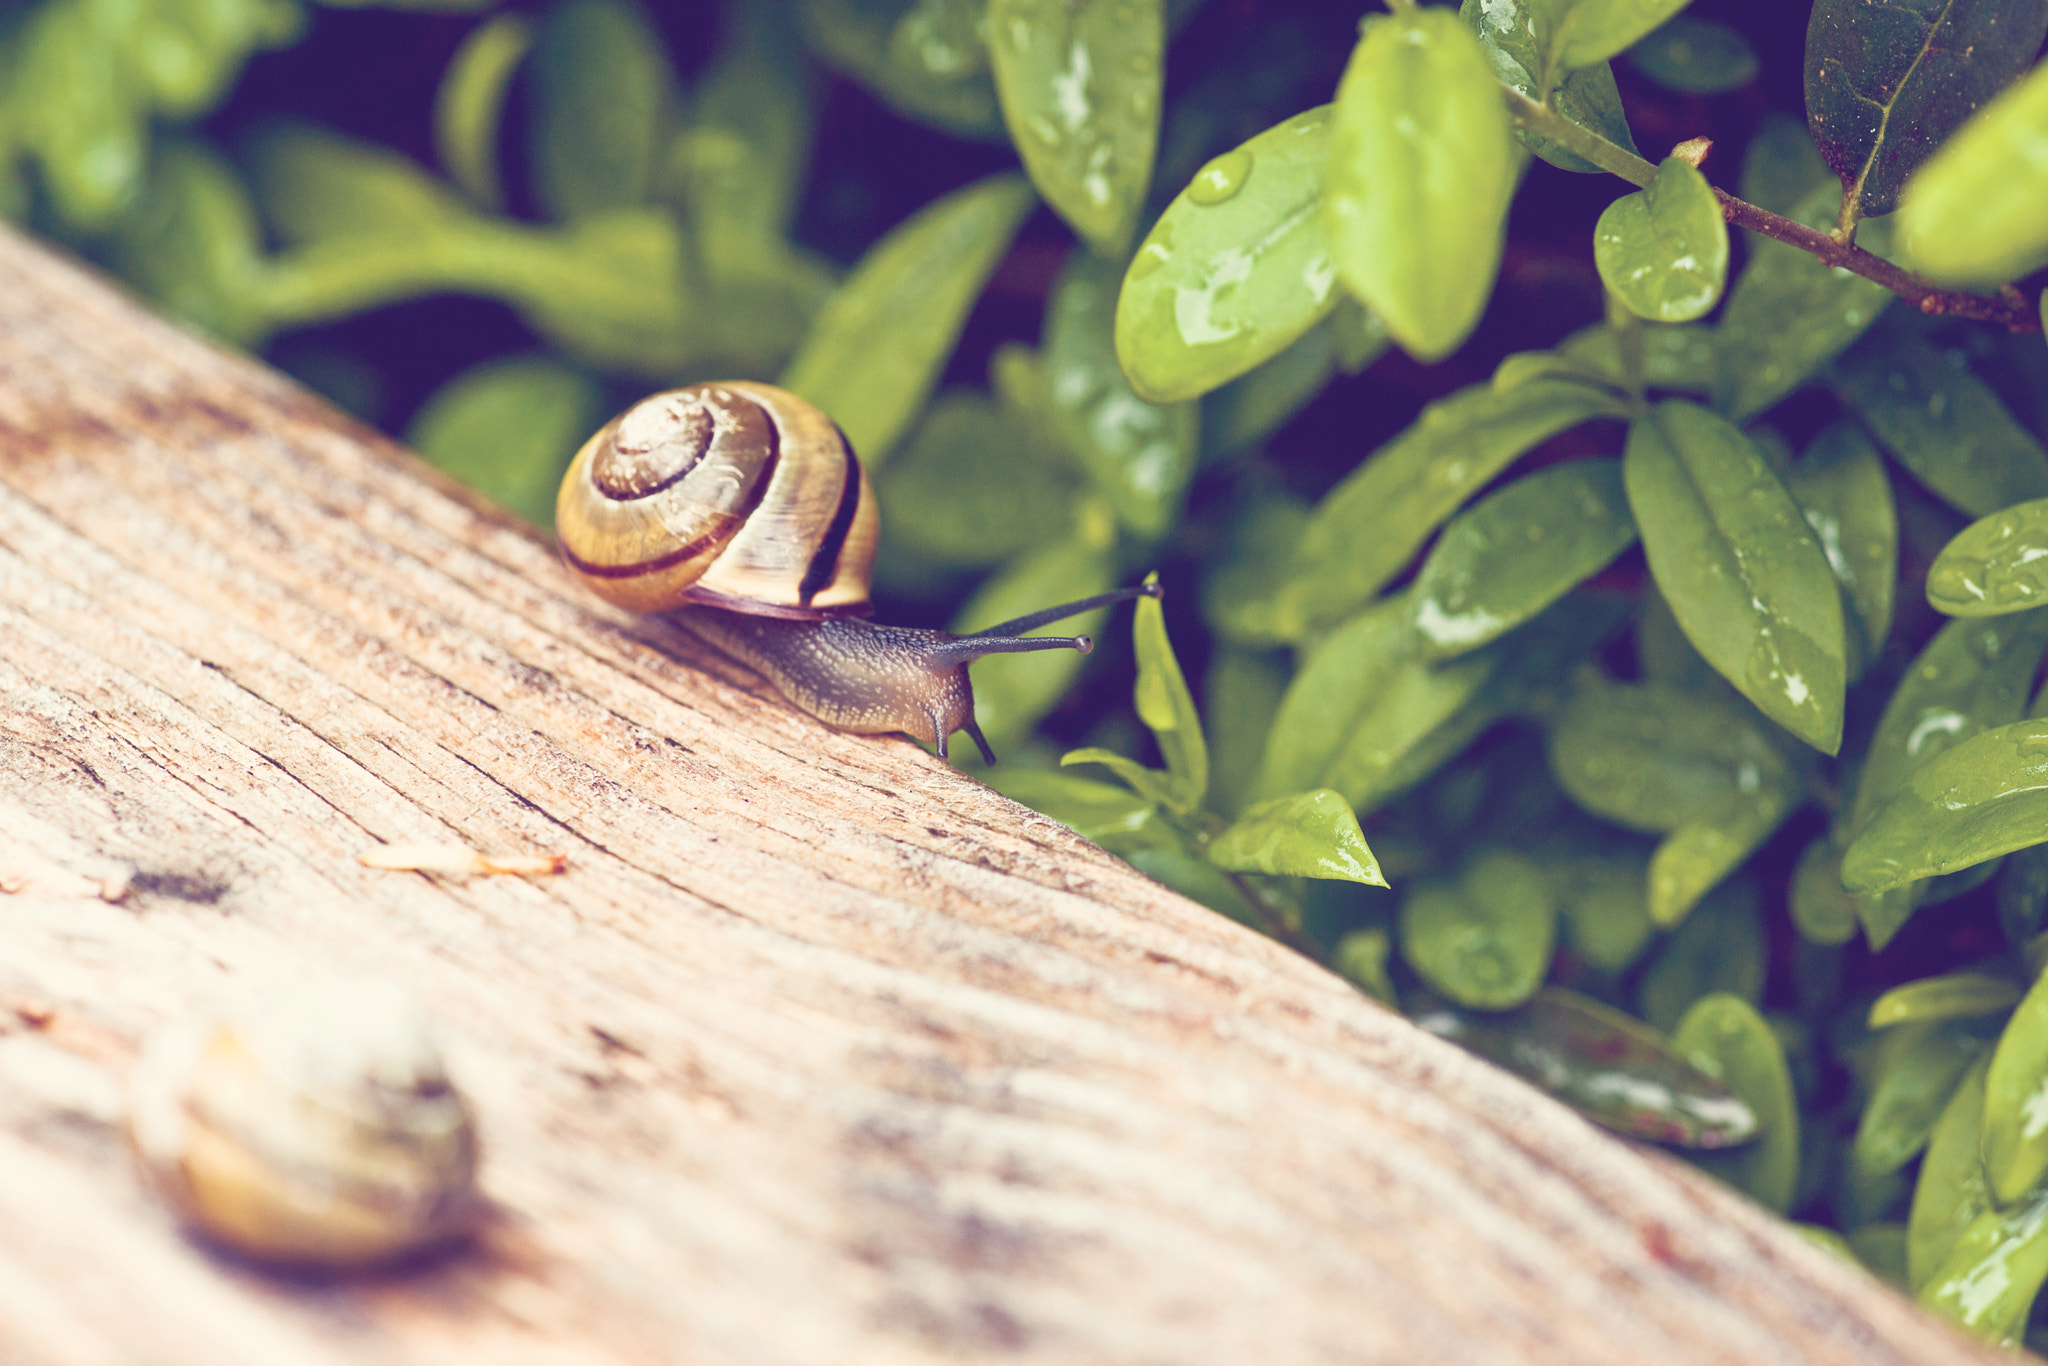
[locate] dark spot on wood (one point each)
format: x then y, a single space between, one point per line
200 889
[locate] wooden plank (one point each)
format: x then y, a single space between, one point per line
818 1051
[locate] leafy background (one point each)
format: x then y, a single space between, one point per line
1705 778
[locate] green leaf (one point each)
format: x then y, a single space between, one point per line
1244 686
2016 1100
1499 564
508 429
1010 696
877 348
1695 57
1951 1190
1141 455
1951 996
1988 568
1422 166
1154 785
1995 1268
1337 684
1611 1067
1942 422
1198 880
470 100
1484 938
976 485
1517 40
1674 357
1594 30
1918 1069
1841 486
1723 1035
316 186
1310 834
1080 84
193 246
1361 959
603 98
1367 529
1886 84
1095 811
1719 947
1235 270
925 58
1663 251
1972 215
1258 403
1788 313
1985 797
1166 707
1824 913
1734 557
1606 913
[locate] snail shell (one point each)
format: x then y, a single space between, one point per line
315 1129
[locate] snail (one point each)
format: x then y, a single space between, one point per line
741 511
313 1127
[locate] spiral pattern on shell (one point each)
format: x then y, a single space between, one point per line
734 495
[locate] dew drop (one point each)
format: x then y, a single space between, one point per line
2033 744
1221 179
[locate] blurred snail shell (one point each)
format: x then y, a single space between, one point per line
742 510
316 1129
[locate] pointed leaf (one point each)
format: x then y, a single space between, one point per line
1886 84
1331 690
1993 1271
1663 251
1695 57
471 98
603 99
878 347
1918 1069
1989 568
1518 41
508 428
2016 1100
1951 1190
927 58
1972 215
1080 87
1951 996
1733 555
1594 30
1484 938
1154 785
1985 797
1310 834
1840 484
1422 166
1165 706
1723 1034
1102 812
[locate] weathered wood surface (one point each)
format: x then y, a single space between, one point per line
817 1053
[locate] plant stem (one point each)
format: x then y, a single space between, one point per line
1276 925
2008 308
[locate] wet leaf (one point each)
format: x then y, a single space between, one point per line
1994 1269
1951 1190
1985 797
1788 313
1514 554
1734 557
1824 913
877 348
1918 1068
470 100
1718 947
2016 1100
1942 422
1841 486
976 485
1361 959
1695 57
1518 41
1663 251
1972 215
925 58
2022 896
1155 785
1722 1034
1989 568
1951 996
1140 454
1080 84
1886 84
1236 268
1309 834
1422 166
1166 707
603 100
1881 1247
1482 939
1610 1067
508 428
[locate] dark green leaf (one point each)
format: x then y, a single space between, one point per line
508 428
1011 692
1253 406
1695 57
1102 812
1918 1068
1985 797
470 100
1734 557
1942 422
1484 938
1782 166
1973 213
1198 880
1606 908
1309 834
1723 1035
1166 707
603 101
1514 554
1663 251
1841 485
1674 357
878 347
316 186
1824 913
194 247
1951 1190
1242 691
1361 959
1155 785
1719 947
1988 569
976 485
1141 455
1422 166
926 58
1236 268
1788 313
1951 996
1080 85
1518 41
1611 1067
1881 1247
1885 84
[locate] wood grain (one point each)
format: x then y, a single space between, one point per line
818 1052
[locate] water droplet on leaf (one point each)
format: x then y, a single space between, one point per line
1222 178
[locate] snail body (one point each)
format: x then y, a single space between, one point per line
741 511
